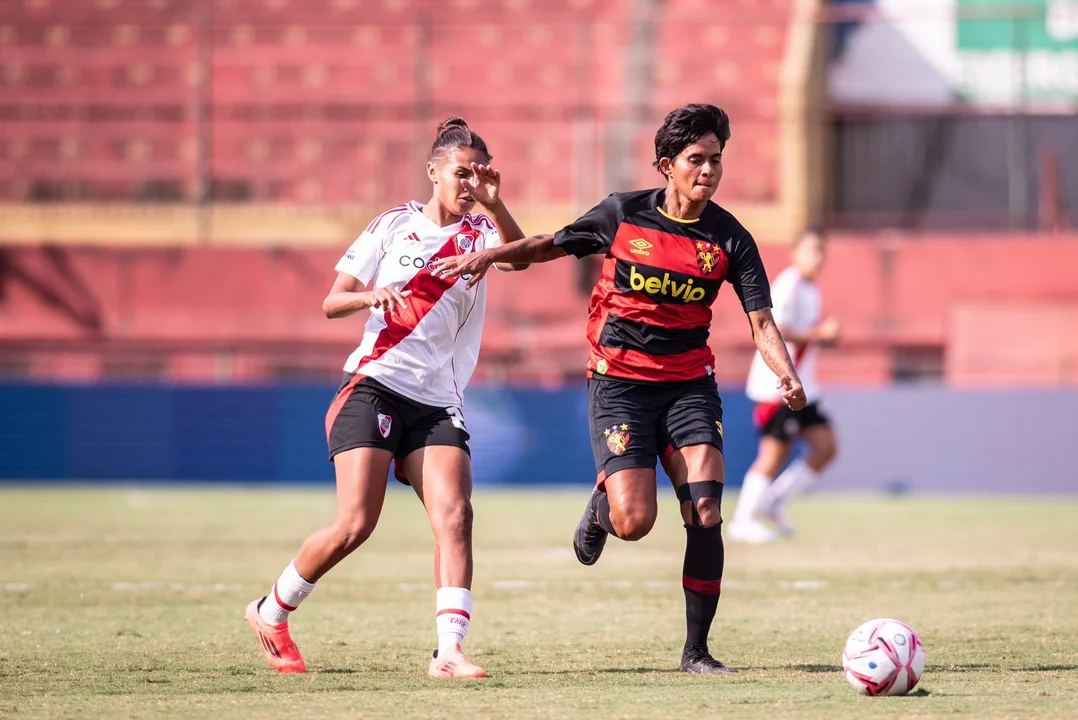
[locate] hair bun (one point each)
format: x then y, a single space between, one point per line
450 124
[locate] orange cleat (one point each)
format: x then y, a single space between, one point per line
453 665
281 653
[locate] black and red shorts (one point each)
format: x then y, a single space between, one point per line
365 413
777 420
633 423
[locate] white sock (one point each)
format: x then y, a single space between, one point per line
795 479
751 499
287 593
454 614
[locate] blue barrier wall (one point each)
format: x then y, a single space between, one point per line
277 434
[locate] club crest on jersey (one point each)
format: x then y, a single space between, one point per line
708 257
466 239
385 424
617 438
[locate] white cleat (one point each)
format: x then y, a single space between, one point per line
752 532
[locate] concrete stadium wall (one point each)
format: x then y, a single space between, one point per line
896 439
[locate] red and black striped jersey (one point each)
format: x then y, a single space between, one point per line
650 312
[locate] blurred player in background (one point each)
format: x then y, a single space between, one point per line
401 398
798 312
651 384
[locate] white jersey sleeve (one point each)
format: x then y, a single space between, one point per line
363 257
784 299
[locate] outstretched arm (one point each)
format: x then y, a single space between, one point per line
591 233
536 249
508 231
773 350
484 184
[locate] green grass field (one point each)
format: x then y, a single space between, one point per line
123 602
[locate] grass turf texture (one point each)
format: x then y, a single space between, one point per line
129 603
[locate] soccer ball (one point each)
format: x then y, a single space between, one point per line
883 657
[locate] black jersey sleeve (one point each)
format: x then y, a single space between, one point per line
747 273
593 232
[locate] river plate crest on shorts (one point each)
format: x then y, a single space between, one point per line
617 438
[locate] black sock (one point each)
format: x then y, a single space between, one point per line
602 510
701 579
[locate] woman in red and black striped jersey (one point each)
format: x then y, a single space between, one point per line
651 386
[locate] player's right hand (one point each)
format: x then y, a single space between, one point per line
483 184
387 299
792 392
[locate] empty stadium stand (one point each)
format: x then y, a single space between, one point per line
301 102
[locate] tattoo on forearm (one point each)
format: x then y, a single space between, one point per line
773 348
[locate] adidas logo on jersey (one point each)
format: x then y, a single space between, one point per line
654 286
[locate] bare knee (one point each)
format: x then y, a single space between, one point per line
453 524
822 453
350 533
771 455
710 511
633 524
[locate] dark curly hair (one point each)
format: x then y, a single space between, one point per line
454 133
686 125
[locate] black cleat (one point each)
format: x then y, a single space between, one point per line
590 538
698 661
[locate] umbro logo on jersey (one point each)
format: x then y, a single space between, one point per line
385 424
640 246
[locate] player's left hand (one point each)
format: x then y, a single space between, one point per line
484 184
474 264
792 392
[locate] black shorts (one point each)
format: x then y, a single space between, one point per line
633 422
366 413
776 420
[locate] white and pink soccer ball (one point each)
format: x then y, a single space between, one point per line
883 657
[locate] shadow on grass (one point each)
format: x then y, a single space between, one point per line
342 671
968 667
1047 668
814 668
806 668
607 671
639 670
